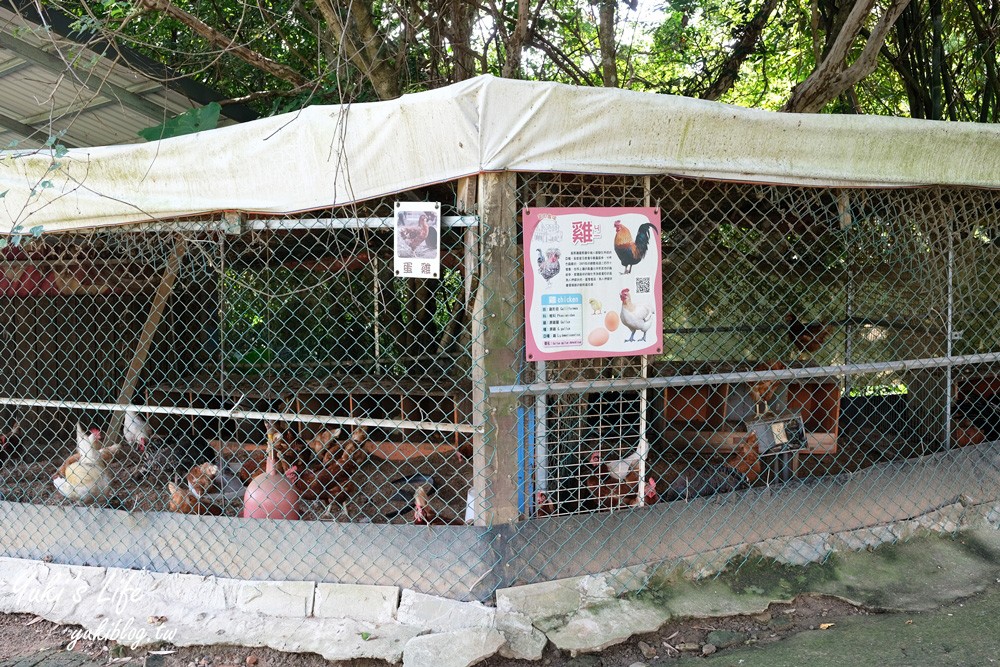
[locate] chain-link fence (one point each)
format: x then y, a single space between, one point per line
828 365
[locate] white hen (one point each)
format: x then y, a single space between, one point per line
620 468
137 431
636 318
84 476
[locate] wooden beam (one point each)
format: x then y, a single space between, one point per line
156 309
496 350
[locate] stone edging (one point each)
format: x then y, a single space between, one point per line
344 621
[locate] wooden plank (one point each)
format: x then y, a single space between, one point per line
497 317
725 440
156 309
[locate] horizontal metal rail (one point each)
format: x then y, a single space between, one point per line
586 386
253 415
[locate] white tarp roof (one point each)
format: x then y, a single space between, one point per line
332 155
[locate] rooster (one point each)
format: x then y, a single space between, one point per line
84 475
806 337
631 252
548 264
636 318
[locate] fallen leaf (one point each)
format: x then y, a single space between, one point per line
156 620
909 621
365 636
826 626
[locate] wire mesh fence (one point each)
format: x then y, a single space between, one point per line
826 354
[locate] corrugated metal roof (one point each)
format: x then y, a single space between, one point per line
85 92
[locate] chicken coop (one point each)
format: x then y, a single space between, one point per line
298 348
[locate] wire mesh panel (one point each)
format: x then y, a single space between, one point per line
250 368
271 397
811 336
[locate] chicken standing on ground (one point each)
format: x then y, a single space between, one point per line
200 479
8 441
631 252
635 318
84 476
425 515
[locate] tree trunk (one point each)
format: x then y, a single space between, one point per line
606 36
515 45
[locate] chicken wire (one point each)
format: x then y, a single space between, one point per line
153 370
828 365
826 354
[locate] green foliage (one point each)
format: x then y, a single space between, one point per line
193 120
679 48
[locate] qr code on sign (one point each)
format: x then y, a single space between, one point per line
642 285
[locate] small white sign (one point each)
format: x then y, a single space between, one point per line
416 240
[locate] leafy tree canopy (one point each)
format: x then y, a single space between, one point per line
931 59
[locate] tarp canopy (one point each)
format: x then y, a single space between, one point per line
333 155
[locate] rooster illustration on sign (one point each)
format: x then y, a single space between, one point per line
632 252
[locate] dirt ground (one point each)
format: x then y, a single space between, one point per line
22 634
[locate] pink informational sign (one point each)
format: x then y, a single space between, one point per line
592 282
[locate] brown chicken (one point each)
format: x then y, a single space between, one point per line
607 490
806 337
331 481
188 500
414 236
425 515
764 392
543 504
631 252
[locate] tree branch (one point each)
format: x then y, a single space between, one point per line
831 77
224 42
744 46
365 57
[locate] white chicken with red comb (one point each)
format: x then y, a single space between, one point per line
635 317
